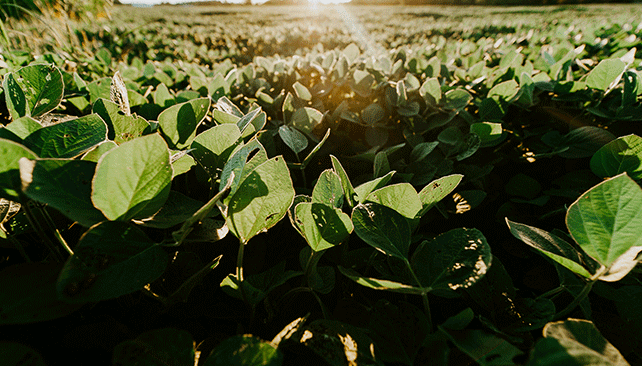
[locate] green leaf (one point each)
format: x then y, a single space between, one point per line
322 226
29 294
21 128
381 284
294 139
605 221
110 260
328 189
364 189
132 181
306 119
33 90
257 286
68 139
12 152
252 122
401 197
242 162
244 350
437 190
431 91
348 190
606 74
362 83
156 347
121 127
383 229
261 200
619 156
484 348
372 114
453 260
179 122
422 150
584 141
551 246
213 147
575 342
98 151
301 91
64 185
176 210
505 91
457 99
490 133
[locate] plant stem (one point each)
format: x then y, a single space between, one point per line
582 295
45 239
424 296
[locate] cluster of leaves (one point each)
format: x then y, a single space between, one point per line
122 168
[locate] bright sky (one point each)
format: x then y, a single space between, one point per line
229 1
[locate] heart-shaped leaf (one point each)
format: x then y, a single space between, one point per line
605 221
382 228
401 197
132 181
606 74
179 122
322 226
618 156
261 200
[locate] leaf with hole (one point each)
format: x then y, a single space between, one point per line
322 226
33 90
121 127
68 139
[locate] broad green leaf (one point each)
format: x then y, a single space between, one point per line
294 139
33 90
362 82
431 91
132 181
322 226
372 114
29 294
505 91
252 122
64 185
619 156
401 197
100 88
490 133
11 153
176 210
316 149
306 119
301 91
21 127
381 164
575 341
605 221
584 141
364 189
213 147
453 260
382 228
244 350
348 190
179 122
121 127
456 99
257 286
68 139
381 284
422 150
181 162
606 74
551 246
437 190
261 200
110 260
163 97
166 346
328 189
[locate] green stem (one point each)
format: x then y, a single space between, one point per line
38 228
424 296
582 295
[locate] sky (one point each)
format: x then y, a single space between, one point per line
229 1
